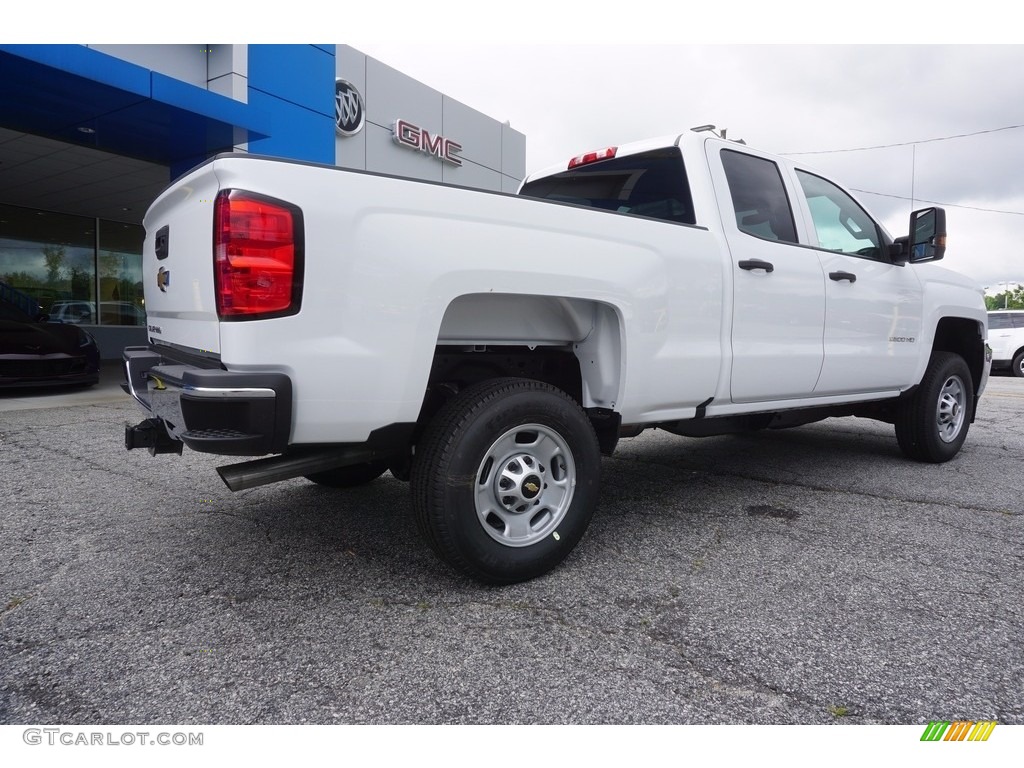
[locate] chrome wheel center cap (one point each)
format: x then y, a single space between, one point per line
520 483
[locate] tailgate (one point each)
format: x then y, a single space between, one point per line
177 263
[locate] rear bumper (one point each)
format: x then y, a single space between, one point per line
209 409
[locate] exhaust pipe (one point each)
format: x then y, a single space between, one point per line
273 469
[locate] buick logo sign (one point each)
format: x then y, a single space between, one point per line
348 108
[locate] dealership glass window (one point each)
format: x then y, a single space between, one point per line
120 274
50 256
79 269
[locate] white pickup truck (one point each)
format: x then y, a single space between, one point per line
490 347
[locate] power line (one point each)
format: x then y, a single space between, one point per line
935 202
914 144
906 143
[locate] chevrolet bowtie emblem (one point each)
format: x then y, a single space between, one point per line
531 487
163 279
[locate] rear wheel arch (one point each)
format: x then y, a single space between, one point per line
575 345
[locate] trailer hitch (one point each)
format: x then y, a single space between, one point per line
152 435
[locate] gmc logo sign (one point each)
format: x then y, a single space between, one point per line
414 137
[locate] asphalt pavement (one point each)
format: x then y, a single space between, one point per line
806 576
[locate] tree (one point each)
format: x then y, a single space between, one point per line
1012 298
54 256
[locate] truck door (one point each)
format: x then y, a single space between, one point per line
778 313
872 307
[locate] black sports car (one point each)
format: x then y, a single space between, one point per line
39 353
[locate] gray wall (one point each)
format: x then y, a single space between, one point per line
493 153
112 339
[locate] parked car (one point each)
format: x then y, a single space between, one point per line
39 353
84 313
1006 337
73 312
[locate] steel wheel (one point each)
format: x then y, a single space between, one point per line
949 413
525 485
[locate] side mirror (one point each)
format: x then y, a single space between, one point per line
927 235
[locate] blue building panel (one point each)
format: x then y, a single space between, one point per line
295 132
294 85
300 74
85 97
210 105
85 63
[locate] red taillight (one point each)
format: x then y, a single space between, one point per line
593 157
256 255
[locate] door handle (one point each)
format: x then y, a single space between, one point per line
749 264
842 276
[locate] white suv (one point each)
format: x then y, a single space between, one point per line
73 312
1006 337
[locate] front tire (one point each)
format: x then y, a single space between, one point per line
1018 365
505 480
932 424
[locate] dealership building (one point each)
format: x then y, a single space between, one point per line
90 135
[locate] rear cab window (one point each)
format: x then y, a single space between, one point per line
649 184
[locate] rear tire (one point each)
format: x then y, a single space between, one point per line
505 480
932 424
350 477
